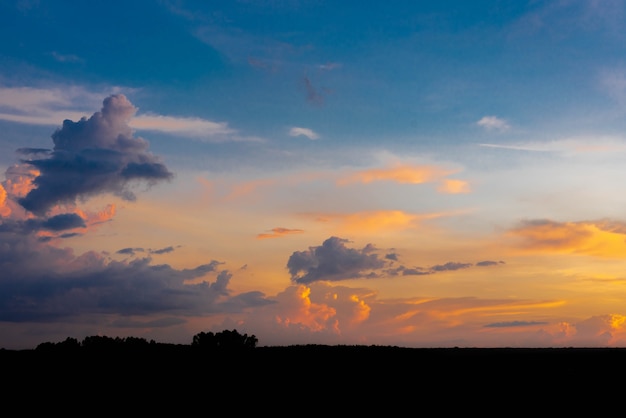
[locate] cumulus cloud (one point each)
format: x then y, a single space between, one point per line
93 156
39 204
333 261
295 131
55 284
493 123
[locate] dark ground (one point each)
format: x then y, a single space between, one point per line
329 380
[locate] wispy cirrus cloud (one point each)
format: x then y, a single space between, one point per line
373 221
296 131
279 232
399 173
51 106
568 146
196 128
597 238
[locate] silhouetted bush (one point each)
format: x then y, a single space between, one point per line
225 340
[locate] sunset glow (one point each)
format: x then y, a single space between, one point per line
421 174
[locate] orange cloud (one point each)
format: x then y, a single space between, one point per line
401 173
19 180
361 309
301 311
4 209
591 238
244 189
372 221
104 215
279 232
451 186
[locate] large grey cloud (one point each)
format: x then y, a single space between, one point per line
93 156
40 282
333 261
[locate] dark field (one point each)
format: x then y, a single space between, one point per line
327 380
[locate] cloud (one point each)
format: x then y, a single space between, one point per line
279 232
493 123
61 286
450 266
295 131
488 263
50 106
329 66
333 261
368 222
313 94
514 324
93 156
450 186
569 146
437 268
190 127
163 250
597 238
5 210
65 57
130 251
400 173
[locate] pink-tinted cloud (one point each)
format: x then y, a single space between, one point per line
279 232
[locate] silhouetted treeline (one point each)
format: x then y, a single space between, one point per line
203 341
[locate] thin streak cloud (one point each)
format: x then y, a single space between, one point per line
306 132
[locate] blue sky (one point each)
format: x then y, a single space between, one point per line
409 173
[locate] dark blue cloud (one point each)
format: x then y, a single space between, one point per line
63 221
333 261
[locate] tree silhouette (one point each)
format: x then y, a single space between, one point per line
224 340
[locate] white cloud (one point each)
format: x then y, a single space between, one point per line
190 127
51 106
584 145
493 123
295 131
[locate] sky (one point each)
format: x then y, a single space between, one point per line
407 173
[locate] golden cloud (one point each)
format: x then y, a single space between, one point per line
451 186
591 238
401 173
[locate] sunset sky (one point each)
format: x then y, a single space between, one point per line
410 173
